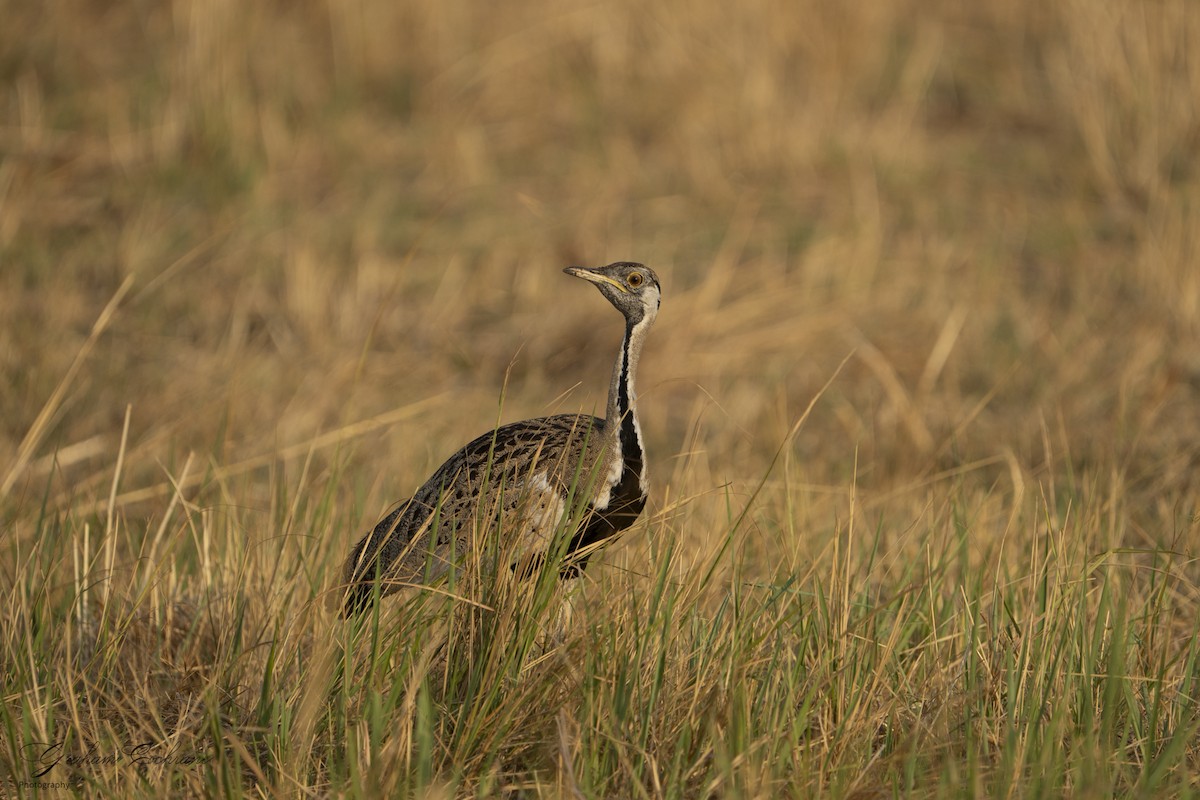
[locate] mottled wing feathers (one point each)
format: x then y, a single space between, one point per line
521 474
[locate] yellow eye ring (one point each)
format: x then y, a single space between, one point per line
635 279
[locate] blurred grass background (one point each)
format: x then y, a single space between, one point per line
332 210
301 249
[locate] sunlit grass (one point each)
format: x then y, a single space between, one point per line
1072 671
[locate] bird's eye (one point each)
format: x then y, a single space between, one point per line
635 279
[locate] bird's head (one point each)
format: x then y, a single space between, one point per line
632 288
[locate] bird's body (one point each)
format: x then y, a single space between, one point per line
523 478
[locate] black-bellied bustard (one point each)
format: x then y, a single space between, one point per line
526 477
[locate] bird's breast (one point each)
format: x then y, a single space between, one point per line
611 477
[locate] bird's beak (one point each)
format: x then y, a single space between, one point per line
595 277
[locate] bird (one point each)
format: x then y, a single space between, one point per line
525 478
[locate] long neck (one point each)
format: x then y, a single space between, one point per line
621 425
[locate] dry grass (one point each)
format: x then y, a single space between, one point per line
263 266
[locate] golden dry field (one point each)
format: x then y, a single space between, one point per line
921 406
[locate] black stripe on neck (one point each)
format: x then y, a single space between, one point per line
626 500
631 449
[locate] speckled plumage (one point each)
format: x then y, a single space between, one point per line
522 478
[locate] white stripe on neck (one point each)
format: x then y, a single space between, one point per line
637 336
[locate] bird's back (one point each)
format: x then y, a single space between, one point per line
522 474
